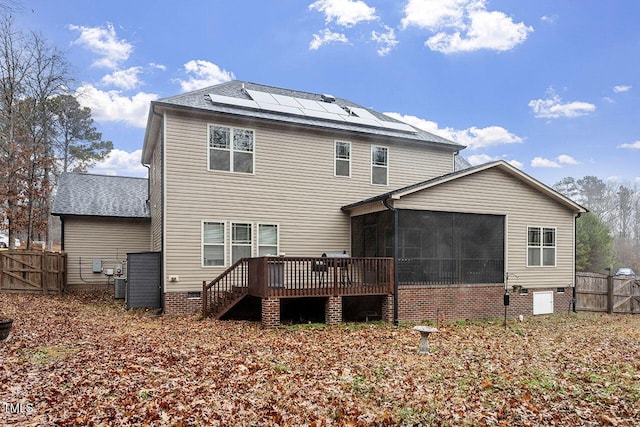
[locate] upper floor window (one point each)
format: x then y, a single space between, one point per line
213 244
267 240
343 159
541 246
231 149
379 165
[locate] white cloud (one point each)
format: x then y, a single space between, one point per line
434 14
346 13
638 179
549 19
121 163
479 159
123 79
562 159
158 66
473 137
566 160
111 106
326 36
386 41
202 74
104 42
464 25
553 107
633 145
621 88
539 162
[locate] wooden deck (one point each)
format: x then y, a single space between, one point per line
288 277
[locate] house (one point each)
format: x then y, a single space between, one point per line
102 219
249 185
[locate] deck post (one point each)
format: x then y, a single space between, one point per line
270 312
333 310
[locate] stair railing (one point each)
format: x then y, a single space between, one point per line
234 277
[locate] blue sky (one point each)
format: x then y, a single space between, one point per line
551 86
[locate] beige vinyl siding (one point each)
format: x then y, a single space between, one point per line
155 198
109 239
293 186
494 192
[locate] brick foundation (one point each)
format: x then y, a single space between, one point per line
333 311
419 303
270 312
178 303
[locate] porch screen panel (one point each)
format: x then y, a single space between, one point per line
450 248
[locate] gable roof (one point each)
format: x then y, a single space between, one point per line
235 98
101 195
500 164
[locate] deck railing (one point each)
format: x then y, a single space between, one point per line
283 277
288 277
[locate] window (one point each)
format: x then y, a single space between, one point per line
230 149
212 244
379 165
240 242
267 240
343 159
541 246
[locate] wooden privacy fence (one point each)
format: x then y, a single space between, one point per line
32 271
610 294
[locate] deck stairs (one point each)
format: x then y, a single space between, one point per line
226 300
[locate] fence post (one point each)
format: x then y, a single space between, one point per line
609 294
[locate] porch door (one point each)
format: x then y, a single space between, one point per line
370 241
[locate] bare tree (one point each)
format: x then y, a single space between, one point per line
31 73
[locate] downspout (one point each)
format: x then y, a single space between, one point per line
161 147
395 259
575 254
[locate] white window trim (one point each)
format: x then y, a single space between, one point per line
231 244
230 149
335 158
386 167
555 246
277 237
224 244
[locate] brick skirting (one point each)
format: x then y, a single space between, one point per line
419 303
179 303
416 303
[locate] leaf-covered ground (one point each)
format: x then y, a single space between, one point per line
75 362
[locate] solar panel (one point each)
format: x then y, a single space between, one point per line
262 97
398 126
229 100
310 108
310 104
334 108
364 121
289 101
324 115
361 112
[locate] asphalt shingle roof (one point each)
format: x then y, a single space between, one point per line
101 195
200 100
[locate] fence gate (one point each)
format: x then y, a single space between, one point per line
32 271
611 294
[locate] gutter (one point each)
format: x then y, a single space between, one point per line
394 211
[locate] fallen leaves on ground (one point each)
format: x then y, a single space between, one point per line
76 361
